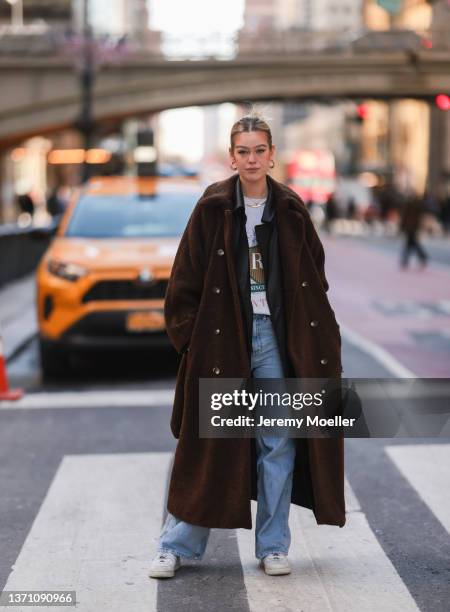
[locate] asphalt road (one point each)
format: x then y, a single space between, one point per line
408 545
84 465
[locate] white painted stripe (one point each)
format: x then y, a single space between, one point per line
99 524
427 469
96 532
336 569
164 397
387 360
300 590
94 399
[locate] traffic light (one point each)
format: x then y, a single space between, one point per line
145 153
362 111
442 102
359 113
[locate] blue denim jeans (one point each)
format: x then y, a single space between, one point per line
275 465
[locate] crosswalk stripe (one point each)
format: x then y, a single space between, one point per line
427 468
98 526
96 532
340 570
93 398
301 590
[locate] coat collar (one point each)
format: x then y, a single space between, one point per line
225 193
269 209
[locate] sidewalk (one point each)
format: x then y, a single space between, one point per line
18 320
405 312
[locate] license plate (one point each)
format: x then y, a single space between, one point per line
145 320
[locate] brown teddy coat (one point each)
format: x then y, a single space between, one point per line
213 480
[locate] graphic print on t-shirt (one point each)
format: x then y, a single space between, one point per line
256 268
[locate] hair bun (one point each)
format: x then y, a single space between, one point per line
251 122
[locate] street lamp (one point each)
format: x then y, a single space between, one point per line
86 123
16 12
88 54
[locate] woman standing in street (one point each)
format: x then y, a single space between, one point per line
247 299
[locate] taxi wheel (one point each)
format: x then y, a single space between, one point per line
54 359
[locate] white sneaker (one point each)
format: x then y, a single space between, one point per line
164 565
276 564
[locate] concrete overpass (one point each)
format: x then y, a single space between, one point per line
42 94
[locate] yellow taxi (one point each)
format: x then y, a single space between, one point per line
102 281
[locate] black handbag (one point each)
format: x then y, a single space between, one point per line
352 409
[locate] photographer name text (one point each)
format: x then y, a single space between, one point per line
309 421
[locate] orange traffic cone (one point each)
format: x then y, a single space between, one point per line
5 392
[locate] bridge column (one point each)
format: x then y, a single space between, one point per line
8 214
439 150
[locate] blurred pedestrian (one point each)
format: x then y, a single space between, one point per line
431 203
246 288
410 224
432 212
331 212
389 201
445 213
351 209
57 201
25 203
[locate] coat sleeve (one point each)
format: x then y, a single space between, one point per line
185 284
316 249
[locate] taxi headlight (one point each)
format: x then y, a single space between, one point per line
66 270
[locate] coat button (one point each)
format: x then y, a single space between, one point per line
217 332
220 252
305 284
216 289
216 370
324 361
314 323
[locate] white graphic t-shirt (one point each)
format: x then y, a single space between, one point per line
257 282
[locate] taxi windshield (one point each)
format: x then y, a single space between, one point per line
131 216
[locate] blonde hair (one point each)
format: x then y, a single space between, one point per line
251 122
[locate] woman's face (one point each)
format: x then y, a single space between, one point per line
251 155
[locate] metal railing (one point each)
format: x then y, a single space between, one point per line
21 248
42 40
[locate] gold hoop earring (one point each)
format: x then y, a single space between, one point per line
273 164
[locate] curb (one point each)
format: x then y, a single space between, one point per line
20 347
